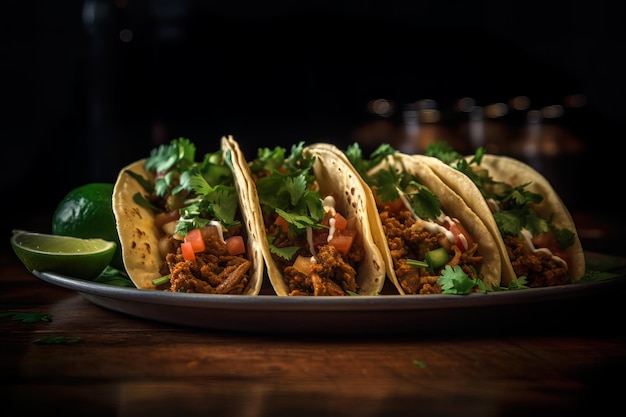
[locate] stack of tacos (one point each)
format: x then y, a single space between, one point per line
536 234
313 222
432 241
187 226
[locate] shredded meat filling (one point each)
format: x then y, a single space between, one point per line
332 273
407 239
214 271
539 268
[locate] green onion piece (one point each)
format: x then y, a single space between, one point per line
160 281
416 263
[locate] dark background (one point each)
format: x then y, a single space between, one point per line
81 98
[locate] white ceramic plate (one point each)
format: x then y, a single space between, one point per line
383 314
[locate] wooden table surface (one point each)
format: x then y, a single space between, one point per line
128 366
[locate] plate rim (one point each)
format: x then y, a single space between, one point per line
271 302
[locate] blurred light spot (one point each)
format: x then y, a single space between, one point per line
126 35
381 107
429 115
519 103
493 111
533 117
121 4
466 104
575 101
552 112
426 104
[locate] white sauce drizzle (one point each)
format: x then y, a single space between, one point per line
528 238
331 230
309 239
329 207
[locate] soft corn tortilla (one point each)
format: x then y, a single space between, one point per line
139 236
333 177
514 172
452 204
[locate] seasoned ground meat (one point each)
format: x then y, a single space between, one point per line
408 239
332 274
539 268
213 272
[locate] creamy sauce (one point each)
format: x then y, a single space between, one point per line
329 204
329 207
528 238
309 239
434 227
331 230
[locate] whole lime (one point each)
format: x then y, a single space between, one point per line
87 212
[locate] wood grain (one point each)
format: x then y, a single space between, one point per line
125 366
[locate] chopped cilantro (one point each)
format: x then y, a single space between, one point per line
286 186
28 317
419 363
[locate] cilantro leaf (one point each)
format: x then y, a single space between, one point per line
289 189
454 280
362 164
28 317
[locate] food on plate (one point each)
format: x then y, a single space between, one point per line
536 234
430 238
312 214
185 225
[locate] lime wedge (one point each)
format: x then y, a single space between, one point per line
75 257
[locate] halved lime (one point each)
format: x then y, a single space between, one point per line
75 257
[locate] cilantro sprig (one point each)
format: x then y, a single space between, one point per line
202 191
516 203
286 186
391 184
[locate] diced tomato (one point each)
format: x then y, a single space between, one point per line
546 240
194 237
343 241
351 223
395 206
565 257
235 245
282 223
340 222
187 251
463 239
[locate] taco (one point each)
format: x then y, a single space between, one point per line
186 226
312 214
430 238
536 234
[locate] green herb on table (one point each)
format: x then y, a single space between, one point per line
116 277
57 340
27 317
419 363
